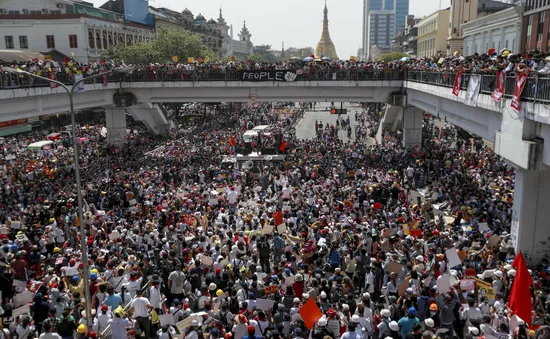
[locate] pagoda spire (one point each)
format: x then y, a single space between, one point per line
283 55
325 47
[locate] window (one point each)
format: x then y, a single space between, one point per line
506 44
91 39
50 41
540 26
23 42
73 41
9 42
36 12
13 12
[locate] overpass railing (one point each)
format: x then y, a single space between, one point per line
537 88
14 81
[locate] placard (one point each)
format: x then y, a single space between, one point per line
25 309
453 258
207 261
15 225
281 228
22 298
483 227
166 319
493 241
114 235
467 285
4 230
394 267
443 283
268 229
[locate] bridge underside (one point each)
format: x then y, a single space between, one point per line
25 103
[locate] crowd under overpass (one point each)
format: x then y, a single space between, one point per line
518 137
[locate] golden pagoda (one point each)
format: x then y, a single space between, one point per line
325 47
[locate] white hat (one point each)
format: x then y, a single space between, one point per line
385 313
212 287
419 258
323 295
296 300
345 307
355 318
195 322
394 326
498 274
305 296
299 277
508 267
366 295
322 322
429 322
473 330
512 273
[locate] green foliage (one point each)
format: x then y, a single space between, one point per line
392 56
168 43
256 57
293 52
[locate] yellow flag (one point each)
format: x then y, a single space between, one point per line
120 311
155 317
175 59
405 229
190 60
353 58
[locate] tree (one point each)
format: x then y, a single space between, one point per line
167 44
293 52
265 52
392 56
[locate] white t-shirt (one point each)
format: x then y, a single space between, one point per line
140 306
118 328
176 279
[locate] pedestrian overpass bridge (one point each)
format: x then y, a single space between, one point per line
518 137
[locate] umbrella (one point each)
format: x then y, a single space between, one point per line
405 59
318 59
295 58
10 157
308 59
326 59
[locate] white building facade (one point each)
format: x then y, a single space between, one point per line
68 27
499 30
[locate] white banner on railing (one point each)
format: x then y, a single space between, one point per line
473 90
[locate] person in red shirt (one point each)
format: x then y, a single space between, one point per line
298 286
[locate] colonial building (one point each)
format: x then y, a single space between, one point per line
325 47
406 40
464 11
67 27
499 30
432 34
216 35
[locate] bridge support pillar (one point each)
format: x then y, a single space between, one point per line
116 125
530 231
412 127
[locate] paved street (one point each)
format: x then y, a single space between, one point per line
306 127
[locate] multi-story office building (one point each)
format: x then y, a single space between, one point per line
432 34
400 10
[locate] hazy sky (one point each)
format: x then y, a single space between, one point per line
296 22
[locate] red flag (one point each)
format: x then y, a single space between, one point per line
457 84
232 141
521 80
52 76
520 296
65 60
282 147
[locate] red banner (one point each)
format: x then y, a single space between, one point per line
52 76
521 80
458 83
13 122
499 90
105 80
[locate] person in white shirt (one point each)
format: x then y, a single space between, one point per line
118 326
155 296
166 332
134 284
240 329
470 314
232 196
103 318
140 307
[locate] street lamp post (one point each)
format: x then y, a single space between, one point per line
83 249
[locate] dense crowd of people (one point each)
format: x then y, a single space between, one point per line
491 62
335 240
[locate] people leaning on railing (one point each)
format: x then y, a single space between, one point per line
535 64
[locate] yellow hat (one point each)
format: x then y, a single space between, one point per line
95 271
219 293
52 220
505 53
82 329
243 269
56 250
19 233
